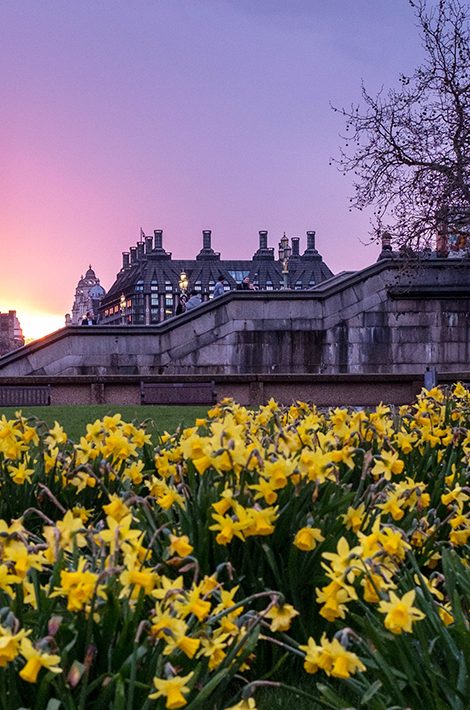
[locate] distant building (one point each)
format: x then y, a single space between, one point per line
11 335
150 282
88 296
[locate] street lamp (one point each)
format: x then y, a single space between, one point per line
285 252
183 283
122 305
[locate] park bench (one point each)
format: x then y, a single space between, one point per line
177 393
25 395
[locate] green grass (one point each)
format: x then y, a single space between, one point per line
75 418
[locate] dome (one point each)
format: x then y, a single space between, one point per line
90 274
97 291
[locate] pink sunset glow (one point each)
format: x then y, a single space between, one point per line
184 115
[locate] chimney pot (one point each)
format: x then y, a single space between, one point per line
295 246
125 259
148 244
140 249
133 252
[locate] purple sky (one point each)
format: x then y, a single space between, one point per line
180 115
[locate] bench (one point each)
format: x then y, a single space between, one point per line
177 393
25 395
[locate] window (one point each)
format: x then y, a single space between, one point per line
238 276
168 305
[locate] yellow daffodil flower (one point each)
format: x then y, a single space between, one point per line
35 660
281 616
400 612
306 538
173 689
180 545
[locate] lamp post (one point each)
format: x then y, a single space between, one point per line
285 252
122 305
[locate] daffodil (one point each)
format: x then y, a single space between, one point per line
334 597
10 645
69 531
180 545
194 604
306 538
388 464
116 508
35 660
56 436
173 689
400 614
7 579
354 517
135 580
331 657
227 527
213 647
281 616
79 586
20 473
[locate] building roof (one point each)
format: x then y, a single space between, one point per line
149 266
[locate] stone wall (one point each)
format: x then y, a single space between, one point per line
392 317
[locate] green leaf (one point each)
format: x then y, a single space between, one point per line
374 688
119 695
207 690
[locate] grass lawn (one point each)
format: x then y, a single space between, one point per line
75 418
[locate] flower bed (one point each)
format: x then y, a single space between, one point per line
251 549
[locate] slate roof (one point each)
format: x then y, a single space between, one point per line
148 269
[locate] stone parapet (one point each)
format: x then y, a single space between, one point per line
385 319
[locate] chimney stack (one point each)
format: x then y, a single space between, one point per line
133 251
263 238
140 249
158 238
386 253
125 259
206 239
311 252
207 252
264 253
148 244
295 246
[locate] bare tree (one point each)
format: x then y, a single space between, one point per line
409 149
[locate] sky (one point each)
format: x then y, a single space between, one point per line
181 115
